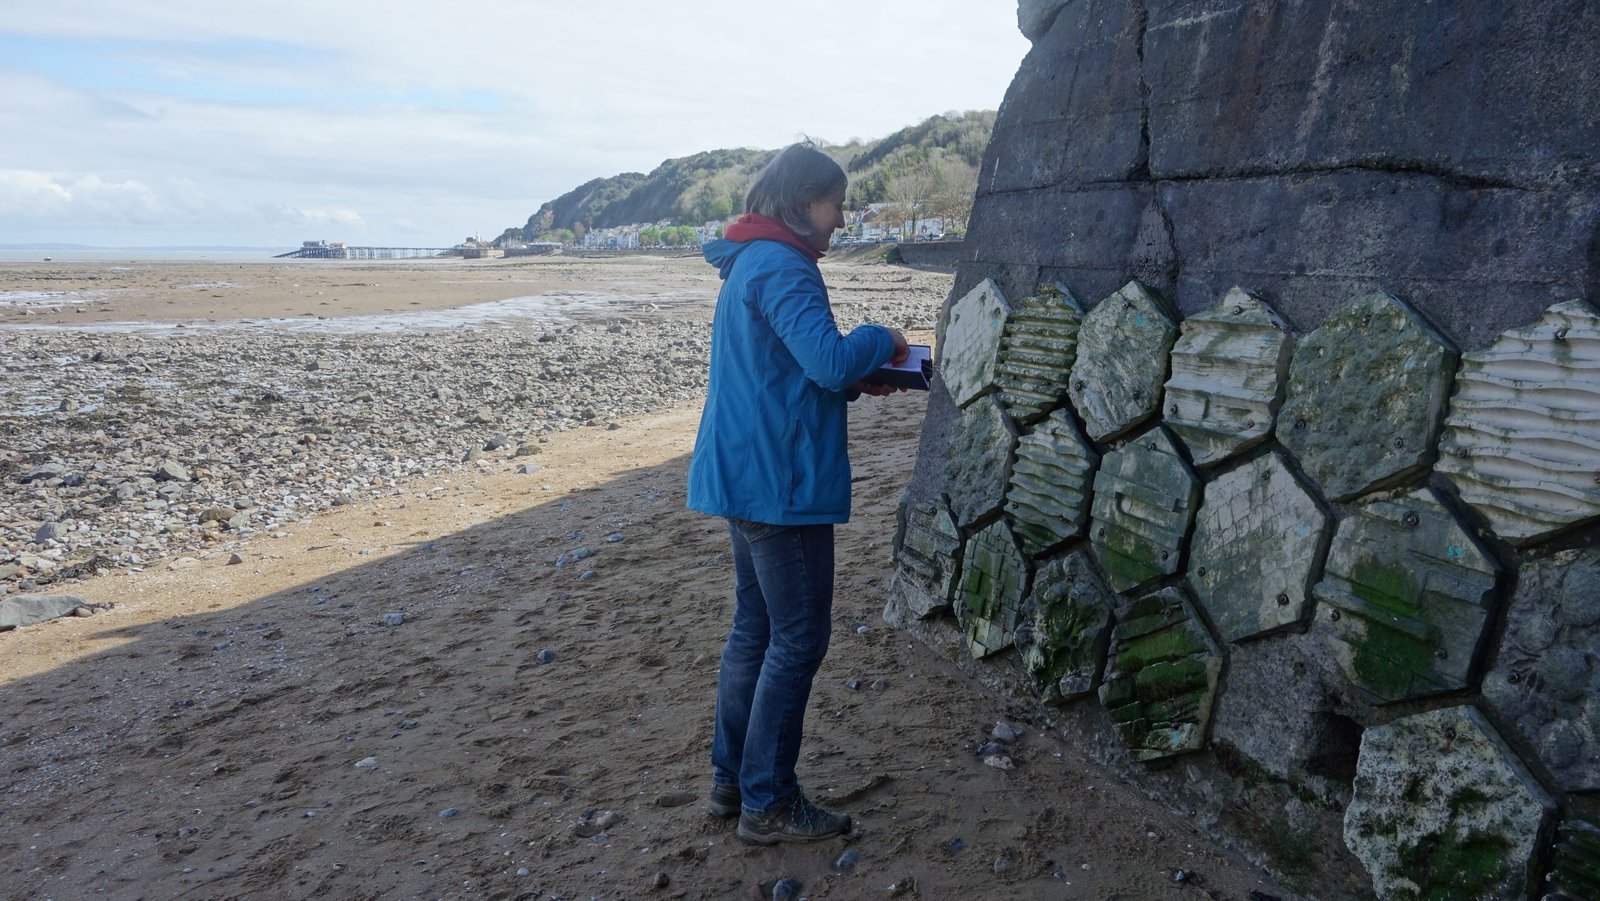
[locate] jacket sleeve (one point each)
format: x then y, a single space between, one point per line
793 301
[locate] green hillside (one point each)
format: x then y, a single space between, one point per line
932 166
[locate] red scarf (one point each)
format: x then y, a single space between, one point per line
754 226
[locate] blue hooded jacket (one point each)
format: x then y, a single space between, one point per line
771 446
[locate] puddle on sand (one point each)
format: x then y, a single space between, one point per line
534 308
28 299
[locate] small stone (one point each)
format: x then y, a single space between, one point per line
546 656
613 538
528 450
449 812
991 747
366 763
1006 733
235 559
613 426
879 684
853 684
586 575
172 471
600 838
955 846
573 556
523 871
847 861
394 619
999 762
786 890
661 881
1002 864
608 819
48 532
495 443
1182 876
82 612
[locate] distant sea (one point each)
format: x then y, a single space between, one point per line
12 253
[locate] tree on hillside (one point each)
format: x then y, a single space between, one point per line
908 191
952 197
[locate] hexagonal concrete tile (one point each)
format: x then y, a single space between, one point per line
979 465
1048 500
1443 809
1065 626
1545 681
1366 396
1407 595
970 341
1122 361
1229 366
1037 349
1144 501
1161 679
1522 441
993 579
1259 540
929 558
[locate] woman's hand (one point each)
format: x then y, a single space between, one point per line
874 388
902 350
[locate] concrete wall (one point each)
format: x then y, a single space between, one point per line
1313 154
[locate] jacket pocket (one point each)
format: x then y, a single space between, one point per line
753 532
791 453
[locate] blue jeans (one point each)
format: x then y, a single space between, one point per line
783 612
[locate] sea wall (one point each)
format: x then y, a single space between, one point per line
1264 460
942 255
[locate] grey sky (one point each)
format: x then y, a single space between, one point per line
406 123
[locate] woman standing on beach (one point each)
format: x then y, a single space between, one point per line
770 456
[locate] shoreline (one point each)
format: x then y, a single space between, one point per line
139 433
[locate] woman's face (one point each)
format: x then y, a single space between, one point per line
826 215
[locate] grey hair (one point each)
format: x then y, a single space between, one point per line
799 175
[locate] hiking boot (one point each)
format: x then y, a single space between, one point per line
722 801
794 820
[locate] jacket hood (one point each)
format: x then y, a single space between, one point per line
721 253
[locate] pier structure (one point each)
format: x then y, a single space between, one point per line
338 250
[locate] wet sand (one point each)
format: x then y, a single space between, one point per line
264 730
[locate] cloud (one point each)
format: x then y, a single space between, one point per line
42 196
210 123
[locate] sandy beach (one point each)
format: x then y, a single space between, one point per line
418 666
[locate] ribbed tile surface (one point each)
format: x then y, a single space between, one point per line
1522 441
1048 500
1161 680
1036 353
1228 369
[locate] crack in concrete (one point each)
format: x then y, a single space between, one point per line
1141 24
